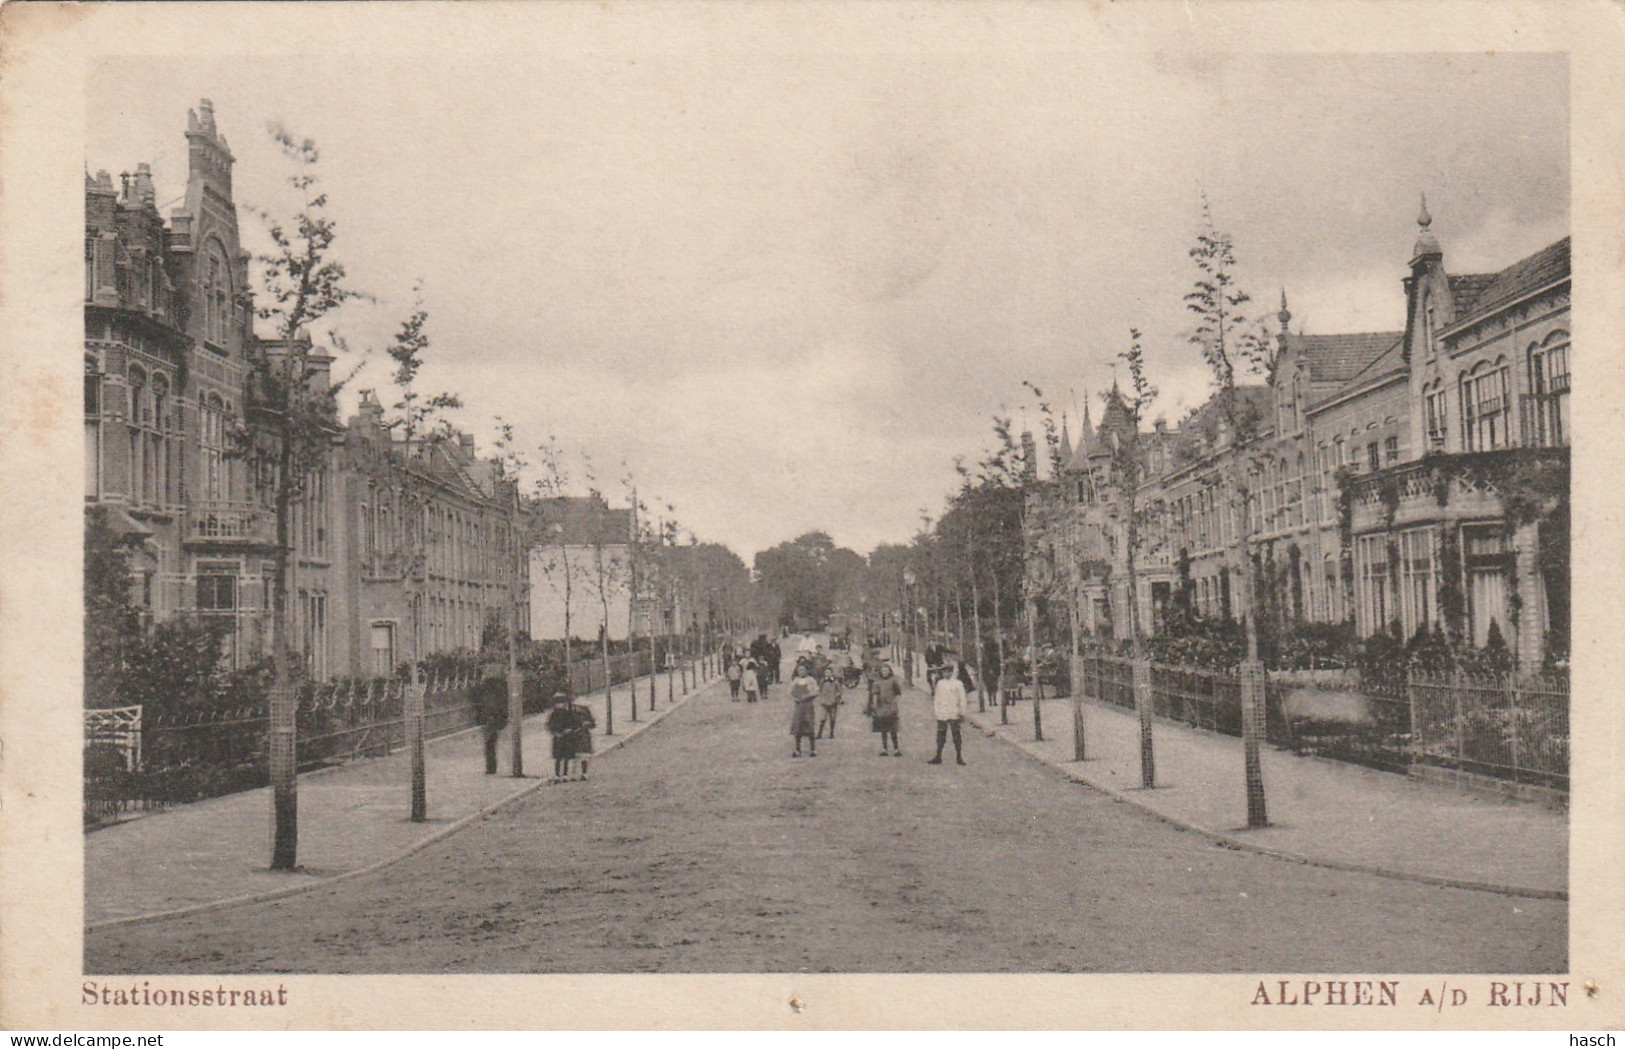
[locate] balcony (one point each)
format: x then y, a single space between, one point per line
230 524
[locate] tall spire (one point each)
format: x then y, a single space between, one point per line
1066 442
1427 245
1285 317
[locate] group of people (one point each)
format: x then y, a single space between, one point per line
751 669
817 691
570 724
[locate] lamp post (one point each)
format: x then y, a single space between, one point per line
905 624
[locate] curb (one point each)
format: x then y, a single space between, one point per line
269 895
1230 841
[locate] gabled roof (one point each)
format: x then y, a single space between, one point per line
1549 264
580 521
1339 358
1466 289
1385 365
1199 432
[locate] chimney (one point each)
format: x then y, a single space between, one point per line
142 186
1029 456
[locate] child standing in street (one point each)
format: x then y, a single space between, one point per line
561 726
803 696
829 698
736 674
884 691
750 681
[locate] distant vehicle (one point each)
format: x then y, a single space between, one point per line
840 625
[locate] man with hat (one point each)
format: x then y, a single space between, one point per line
491 708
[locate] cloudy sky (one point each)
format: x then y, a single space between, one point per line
787 289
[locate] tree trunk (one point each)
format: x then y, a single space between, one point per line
1254 682
1075 674
976 617
631 637
284 698
609 685
1032 670
516 687
998 641
1144 698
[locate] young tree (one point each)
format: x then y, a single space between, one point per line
292 420
512 464
551 487
1226 341
608 568
1128 470
421 421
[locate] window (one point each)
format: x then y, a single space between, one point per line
212 444
1373 602
383 649
216 279
93 428
1373 455
1438 415
140 412
158 488
314 614
1390 449
216 587
1485 408
312 516
1546 416
1417 580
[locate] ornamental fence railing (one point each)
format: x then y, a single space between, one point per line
1508 728
143 761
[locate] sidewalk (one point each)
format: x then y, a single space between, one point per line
352 819
1321 811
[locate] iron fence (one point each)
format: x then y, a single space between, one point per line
1507 728
587 675
1510 729
204 752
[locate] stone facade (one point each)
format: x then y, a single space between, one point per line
169 347
1396 479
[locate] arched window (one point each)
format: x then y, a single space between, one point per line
212 442
1436 413
1546 417
93 428
1485 407
216 293
140 412
158 443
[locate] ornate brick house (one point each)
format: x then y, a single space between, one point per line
169 345
1398 479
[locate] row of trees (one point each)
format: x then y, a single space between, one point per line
287 432
999 557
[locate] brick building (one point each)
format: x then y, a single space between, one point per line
169 346
1399 479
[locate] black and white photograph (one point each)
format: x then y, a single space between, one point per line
801 492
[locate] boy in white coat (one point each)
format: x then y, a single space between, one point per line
948 703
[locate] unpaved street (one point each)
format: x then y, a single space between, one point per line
703 847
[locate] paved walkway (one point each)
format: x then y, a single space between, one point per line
351 819
1321 811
